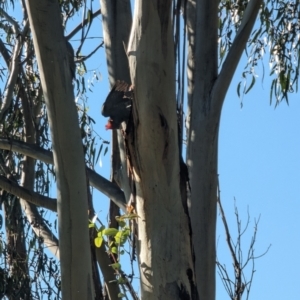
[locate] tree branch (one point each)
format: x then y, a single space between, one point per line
30 196
82 24
117 21
36 221
84 58
14 69
108 272
28 174
235 288
4 53
108 188
227 232
11 20
26 149
233 57
38 225
11 82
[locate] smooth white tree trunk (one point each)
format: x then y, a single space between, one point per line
206 93
56 78
163 242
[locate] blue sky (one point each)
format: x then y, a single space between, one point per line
259 165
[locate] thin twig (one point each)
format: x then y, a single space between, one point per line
236 289
82 24
228 237
84 58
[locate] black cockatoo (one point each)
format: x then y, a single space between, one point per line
117 105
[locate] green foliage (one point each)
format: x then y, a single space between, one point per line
276 32
113 238
115 241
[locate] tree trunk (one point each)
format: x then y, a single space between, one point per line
206 94
56 77
163 242
202 139
116 23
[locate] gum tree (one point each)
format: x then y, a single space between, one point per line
171 192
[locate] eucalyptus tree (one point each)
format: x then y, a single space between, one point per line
169 199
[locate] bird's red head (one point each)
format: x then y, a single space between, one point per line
109 125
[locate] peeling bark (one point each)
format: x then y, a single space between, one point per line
166 267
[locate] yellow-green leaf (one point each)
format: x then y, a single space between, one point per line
110 231
120 238
122 223
114 250
98 241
